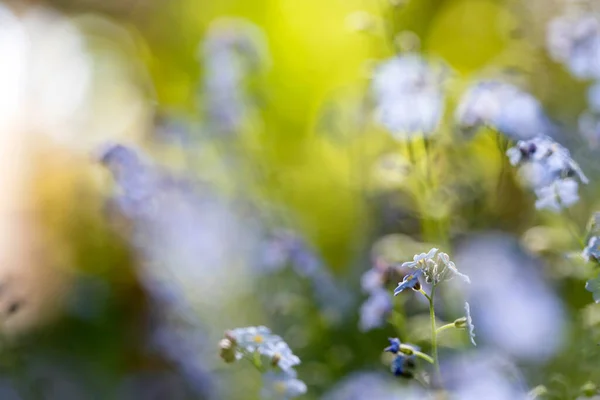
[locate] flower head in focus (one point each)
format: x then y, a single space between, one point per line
436 269
408 96
410 281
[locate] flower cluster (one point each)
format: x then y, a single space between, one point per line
375 310
232 49
573 39
435 269
408 96
270 354
547 167
501 106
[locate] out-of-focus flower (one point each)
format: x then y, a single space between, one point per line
279 385
593 97
410 281
592 250
280 355
483 376
589 127
408 94
260 340
548 168
470 326
252 338
593 286
502 106
560 194
404 365
284 248
574 40
233 49
516 310
375 310
394 346
372 385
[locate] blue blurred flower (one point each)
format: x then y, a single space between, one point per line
279 354
410 281
574 40
593 286
502 106
409 98
592 250
375 310
394 346
470 326
403 365
558 195
280 385
548 168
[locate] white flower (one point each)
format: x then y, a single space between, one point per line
560 194
446 270
253 338
574 40
408 95
279 354
502 106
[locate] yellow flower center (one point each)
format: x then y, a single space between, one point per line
280 387
258 339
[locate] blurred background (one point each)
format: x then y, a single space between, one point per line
173 169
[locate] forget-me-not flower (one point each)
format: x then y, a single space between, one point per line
592 250
408 96
280 385
410 281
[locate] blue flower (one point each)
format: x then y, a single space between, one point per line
282 385
592 250
470 326
403 365
375 310
410 282
394 346
593 286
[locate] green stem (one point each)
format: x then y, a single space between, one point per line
434 349
444 327
424 356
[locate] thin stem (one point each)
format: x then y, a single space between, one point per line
434 349
424 356
425 294
445 327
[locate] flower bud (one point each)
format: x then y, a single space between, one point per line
589 389
461 323
227 350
